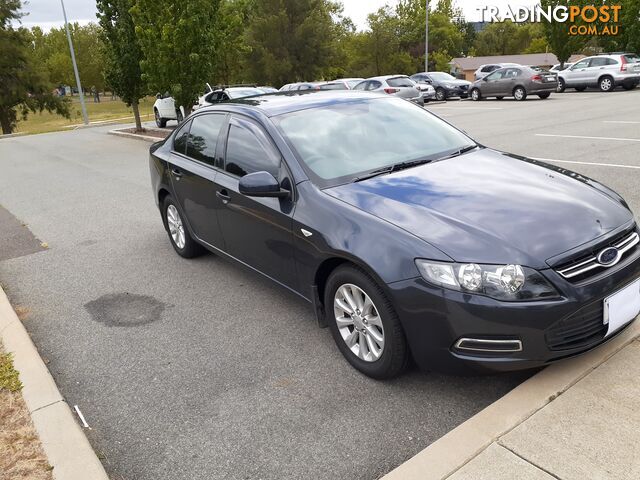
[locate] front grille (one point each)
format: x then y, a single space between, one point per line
589 264
583 328
464 87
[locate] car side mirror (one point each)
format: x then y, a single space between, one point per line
261 184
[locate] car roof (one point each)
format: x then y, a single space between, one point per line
387 77
278 103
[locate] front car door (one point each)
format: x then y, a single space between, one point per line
257 231
578 73
195 156
491 83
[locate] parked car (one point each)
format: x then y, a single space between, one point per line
341 84
428 92
398 85
606 72
164 109
407 237
445 85
222 93
557 68
517 82
301 86
484 70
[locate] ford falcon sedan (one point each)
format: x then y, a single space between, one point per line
408 238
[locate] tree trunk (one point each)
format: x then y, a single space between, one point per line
6 123
136 115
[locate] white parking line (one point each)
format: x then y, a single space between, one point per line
619 121
588 138
468 108
634 167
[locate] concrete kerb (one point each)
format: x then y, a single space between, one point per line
462 444
65 444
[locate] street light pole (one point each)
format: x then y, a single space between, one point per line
426 37
75 67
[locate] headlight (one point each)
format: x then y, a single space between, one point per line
502 282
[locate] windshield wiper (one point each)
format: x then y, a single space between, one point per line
393 168
459 152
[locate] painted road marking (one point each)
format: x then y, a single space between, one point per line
619 121
588 138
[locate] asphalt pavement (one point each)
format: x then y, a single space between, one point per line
190 369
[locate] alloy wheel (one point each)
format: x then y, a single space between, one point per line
518 93
441 95
358 322
606 84
176 228
475 94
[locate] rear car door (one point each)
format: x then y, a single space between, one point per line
256 230
597 67
195 156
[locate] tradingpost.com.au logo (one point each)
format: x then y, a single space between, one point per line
582 20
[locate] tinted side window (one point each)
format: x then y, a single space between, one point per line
373 84
246 153
581 64
203 138
361 86
598 62
180 140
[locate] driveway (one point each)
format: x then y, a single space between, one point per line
189 369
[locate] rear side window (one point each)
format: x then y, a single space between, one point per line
180 140
631 58
361 86
602 61
400 82
248 151
373 84
203 138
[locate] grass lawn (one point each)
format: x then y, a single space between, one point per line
107 109
21 455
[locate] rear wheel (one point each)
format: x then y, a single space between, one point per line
476 95
441 94
519 93
181 240
606 84
544 95
561 86
364 324
160 122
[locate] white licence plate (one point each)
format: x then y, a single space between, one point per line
622 307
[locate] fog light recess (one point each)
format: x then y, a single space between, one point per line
488 345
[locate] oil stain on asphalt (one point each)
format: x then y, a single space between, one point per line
125 309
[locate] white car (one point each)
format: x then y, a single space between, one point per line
164 109
604 71
228 93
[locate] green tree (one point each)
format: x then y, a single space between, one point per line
508 38
231 47
177 40
25 86
561 43
292 40
122 53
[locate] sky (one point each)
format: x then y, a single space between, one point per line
48 13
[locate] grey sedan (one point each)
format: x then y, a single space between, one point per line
397 85
516 82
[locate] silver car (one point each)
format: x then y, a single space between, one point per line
605 71
397 85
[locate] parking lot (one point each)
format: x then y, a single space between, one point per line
200 369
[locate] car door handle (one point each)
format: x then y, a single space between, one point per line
177 172
223 195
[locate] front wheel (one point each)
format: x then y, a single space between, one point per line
441 95
179 235
606 84
520 94
476 95
364 324
561 85
544 95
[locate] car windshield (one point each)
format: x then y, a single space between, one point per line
338 143
441 76
243 92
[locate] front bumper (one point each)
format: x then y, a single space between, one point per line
457 91
435 319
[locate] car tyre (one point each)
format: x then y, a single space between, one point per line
179 116
520 94
544 96
160 122
441 95
371 303
179 235
561 86
476 96
606 84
